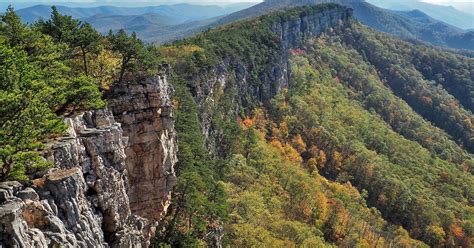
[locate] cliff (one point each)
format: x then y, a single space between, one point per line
144 109
110 184
249 87
83 201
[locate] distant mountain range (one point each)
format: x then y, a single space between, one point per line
137 23
178 12
161 24
448 14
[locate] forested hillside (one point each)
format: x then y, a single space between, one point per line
369 144
411 25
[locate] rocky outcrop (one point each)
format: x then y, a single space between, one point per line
83 201
249 90
293 32
144 109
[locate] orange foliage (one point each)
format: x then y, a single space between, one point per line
247 123
426 100
298 143
322 159
323 208
314 151
291 154
277 144
456 231
337 158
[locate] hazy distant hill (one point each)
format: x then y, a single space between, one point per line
152 24
413 25
448 14
178 12
103 23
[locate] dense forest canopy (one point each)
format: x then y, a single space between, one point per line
384 119
370 143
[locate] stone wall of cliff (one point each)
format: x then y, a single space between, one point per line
144 109
230 73
83 201
111 180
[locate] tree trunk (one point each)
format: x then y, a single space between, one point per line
84 60
122 70
5 170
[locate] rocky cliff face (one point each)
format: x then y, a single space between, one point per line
144 109
109 185
83 201
236 76
294 32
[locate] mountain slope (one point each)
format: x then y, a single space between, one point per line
298 128
403 24
132 23
312 93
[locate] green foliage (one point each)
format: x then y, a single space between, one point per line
129 47
36 85
275 202
86 38
198 198
363 113
61 27
79 36
407 182
364 84
437 85
12 27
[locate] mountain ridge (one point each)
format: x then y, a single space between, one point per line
358 106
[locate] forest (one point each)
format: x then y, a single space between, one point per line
369 145
384 124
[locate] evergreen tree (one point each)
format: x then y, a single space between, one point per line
36 86
129 47
61 27
87 39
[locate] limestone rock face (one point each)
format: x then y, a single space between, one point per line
294 32
144 109
83 201
236 75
